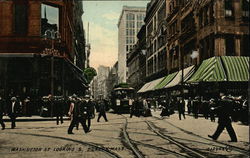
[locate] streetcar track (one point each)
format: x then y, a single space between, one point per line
102 149
241 150
127 140
182 146
147 145
160 149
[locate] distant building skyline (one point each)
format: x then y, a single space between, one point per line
103 18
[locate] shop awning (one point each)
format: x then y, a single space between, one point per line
236 68
154 83
187 72
165 81
77 72
144 87
221 69
150 85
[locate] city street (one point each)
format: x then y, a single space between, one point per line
125 137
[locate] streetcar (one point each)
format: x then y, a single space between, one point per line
122 99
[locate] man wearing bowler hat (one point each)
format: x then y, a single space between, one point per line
13 110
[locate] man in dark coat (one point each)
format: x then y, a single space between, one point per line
196 107
133 108
181 108
102 111
223 111
79 113
13 108
2 110
59 109
165 111
90 110
212 106
189 105
205 105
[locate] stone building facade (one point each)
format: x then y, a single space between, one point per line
136 61
155 22
130 22
207 27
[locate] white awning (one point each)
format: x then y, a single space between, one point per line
154 83
144 87
177 80
150 85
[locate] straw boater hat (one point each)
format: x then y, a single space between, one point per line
13 99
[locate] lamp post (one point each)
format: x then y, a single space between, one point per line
53 36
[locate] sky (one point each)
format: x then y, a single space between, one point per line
103 17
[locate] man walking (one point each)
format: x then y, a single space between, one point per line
90 110
102 111
58 110
12 111
181 108
2 109
78 116
223 112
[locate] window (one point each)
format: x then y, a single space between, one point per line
211 14
130 24
245 45
245 8
230 45
49 18
130 16
228 8
20 18
140 17
127 48
162 12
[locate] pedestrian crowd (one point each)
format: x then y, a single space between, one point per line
81 110
226 107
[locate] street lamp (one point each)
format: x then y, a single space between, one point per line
53 36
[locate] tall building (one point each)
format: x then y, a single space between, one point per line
113 77
155 22
102 78
130 22
136 61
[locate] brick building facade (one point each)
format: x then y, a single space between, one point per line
178 29
32 64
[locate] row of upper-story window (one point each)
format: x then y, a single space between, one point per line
157 62
129 47
156 19
157 44
230 9
131 17
130 40
134 66
206 17
131 24
20 18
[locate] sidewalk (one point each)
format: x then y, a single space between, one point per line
33 118
204 127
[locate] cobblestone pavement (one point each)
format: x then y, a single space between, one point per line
122 136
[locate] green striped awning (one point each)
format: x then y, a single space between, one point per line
165 81
236 68
210 70
219 69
